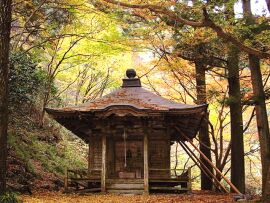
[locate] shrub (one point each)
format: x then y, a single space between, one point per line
9 197
26 78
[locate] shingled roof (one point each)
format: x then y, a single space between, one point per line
131 94
128 102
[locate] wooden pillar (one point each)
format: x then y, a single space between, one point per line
90 156
89 159
189 179
103 164
146 167
110 158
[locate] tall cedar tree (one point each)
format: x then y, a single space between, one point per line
260 107
206 183
204 138
236 117
5 26
237 143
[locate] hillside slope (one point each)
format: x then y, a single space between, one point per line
37 157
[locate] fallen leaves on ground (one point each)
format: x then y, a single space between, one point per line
195 197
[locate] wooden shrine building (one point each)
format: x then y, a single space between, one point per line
130 132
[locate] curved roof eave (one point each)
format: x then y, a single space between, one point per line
147 111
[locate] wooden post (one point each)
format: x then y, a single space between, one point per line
146 167
103 165
90 156
189 179
201 165
215 168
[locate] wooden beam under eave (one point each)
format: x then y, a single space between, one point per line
103 164
146 162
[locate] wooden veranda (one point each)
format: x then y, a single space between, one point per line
80 181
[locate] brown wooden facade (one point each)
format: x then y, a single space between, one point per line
129 157
130 133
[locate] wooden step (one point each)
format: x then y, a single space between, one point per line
125 181
123 186
89 190
167 181
137 192
168 188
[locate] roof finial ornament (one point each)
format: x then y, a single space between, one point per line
131 80
131 73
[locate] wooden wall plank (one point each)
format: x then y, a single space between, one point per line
103 168
146 167
110 158
90 155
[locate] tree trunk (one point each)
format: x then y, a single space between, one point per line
261 111
206 183
42 115
5 25
45 102
237 144
262 122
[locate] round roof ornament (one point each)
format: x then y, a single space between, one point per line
131 73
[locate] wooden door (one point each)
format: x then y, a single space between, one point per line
129 159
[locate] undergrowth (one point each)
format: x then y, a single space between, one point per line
9 197
52 147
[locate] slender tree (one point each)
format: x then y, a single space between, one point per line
5 25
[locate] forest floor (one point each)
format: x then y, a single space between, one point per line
195 197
